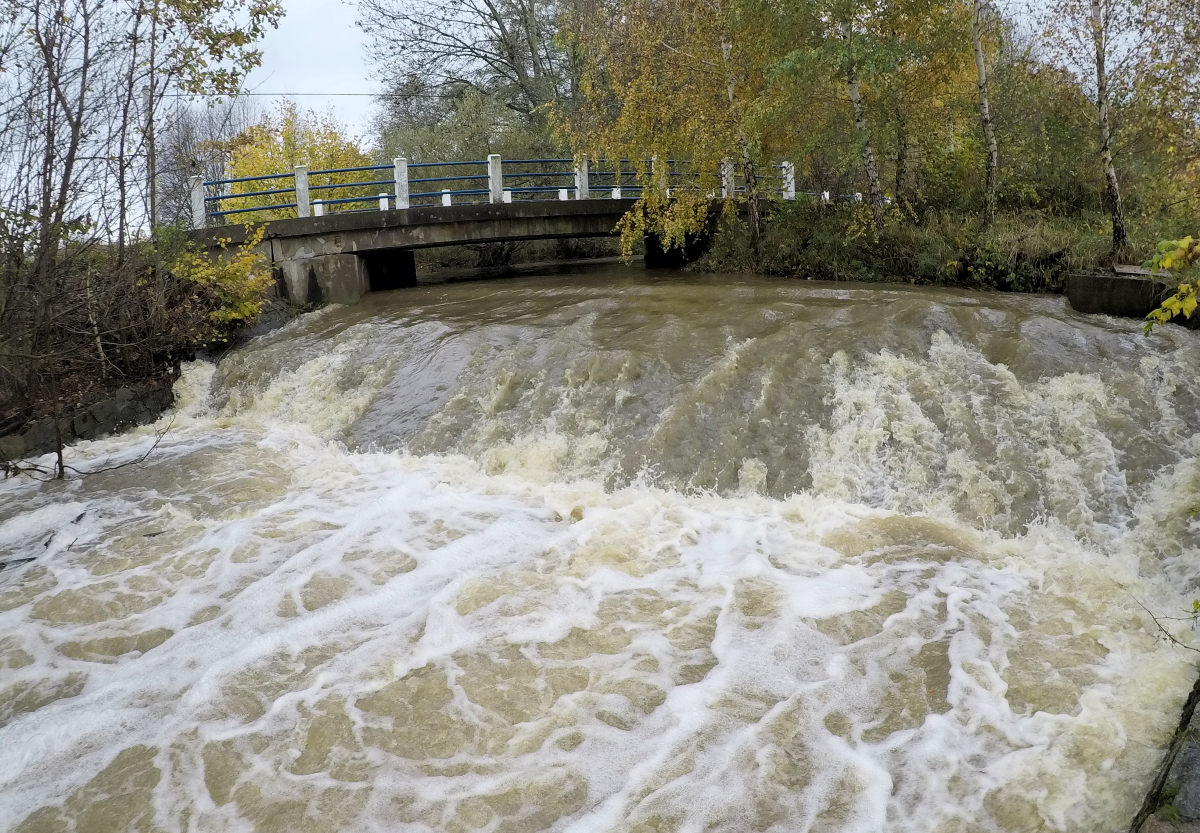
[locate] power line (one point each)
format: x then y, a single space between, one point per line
302 95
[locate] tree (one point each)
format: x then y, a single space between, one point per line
501 48
852 22
753 80
676 81
1043 118
74 124
1125 51
284 139
979 16
460 125
1183 258
194 140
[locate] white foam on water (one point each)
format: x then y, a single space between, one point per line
259 630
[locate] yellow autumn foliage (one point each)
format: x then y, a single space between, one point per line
1181 257
233 285
284 139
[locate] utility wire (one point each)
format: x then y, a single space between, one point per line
300 95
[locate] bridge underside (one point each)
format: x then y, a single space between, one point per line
340 257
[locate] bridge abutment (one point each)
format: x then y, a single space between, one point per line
323 279
344 278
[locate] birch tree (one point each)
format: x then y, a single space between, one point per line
683 81
848 32
1147 50
980 14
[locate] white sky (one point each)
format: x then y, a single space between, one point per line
318 49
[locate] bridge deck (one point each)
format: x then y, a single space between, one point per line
414 228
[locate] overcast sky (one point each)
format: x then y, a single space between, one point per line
318 49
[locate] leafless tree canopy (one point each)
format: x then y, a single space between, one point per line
195 140
502 48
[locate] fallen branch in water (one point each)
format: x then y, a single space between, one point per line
158 438
1162 629
16 469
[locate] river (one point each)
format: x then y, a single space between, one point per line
617 552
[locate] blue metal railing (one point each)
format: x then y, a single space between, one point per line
346 189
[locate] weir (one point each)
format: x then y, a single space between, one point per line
618 553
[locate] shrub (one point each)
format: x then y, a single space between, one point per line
231 287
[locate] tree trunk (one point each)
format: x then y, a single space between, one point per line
747 160
752 213
93 325
868 152
149 103
901 190
1112 188
122 155
985 116
60 469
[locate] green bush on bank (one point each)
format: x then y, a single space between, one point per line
1025 251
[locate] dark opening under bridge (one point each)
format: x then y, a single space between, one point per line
332 249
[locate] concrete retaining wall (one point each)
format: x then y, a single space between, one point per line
1131 296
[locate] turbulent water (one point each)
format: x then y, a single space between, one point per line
609 552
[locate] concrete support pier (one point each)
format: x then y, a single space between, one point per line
323 279
344 278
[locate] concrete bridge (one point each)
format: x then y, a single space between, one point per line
321 251
337 258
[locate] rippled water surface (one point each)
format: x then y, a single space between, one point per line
610 552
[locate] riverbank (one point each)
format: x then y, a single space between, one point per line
96 407
1173 802
135 402
1022 251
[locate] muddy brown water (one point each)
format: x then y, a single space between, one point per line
616 551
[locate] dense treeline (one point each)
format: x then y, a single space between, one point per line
936 111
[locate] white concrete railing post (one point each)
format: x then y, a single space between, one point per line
507 196
199 212
383 202
446 198
563 194
616 192
318 208
789 181
825 197
582 179
495 179
400 166
302 209
728 181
